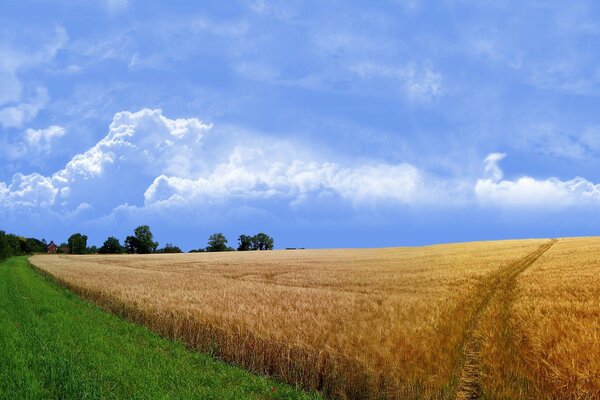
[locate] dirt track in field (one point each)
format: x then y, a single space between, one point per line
496 289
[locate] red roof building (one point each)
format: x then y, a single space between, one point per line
52 248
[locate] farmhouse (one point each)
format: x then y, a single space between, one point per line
52 248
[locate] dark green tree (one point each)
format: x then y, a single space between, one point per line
262 241
34 246
111 246
63 248
245 243
77 243
169 248
131 245
217 242
91 250
142 241
4 246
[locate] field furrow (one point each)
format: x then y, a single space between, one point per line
496 290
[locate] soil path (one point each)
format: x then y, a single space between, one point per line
469 387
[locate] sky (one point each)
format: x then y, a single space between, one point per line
321 123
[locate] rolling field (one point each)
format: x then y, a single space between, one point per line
506 319
53 345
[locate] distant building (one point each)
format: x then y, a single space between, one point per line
52 248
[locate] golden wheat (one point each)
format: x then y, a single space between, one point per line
370 323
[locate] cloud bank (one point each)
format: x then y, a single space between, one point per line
149 161
528 192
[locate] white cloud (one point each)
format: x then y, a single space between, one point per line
27 191
249 174
41 140
17 115
528 192
492 169
14 109
138 147
148 159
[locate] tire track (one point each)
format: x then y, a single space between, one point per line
469 385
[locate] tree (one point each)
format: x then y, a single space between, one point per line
77 243
91 250
245 243
13 245
217 242
34 246
169 248
4 246
142 242
131 245
111 246
262 241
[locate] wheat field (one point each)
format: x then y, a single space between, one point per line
504 319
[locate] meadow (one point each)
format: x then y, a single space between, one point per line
505 319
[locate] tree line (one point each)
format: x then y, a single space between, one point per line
14 245
218 242
141 242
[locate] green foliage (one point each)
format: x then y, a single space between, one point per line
63 248
54 345
142 241
169 248
217 242
77 243
13 245
111 246
91 250
245 243
35 246
260 241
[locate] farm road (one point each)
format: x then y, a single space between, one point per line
497 289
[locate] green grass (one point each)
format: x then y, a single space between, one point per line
53 345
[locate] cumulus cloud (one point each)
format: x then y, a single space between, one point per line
528 192
249 174
138 147
147 159
27 191
150 161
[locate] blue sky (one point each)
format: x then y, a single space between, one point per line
325 124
